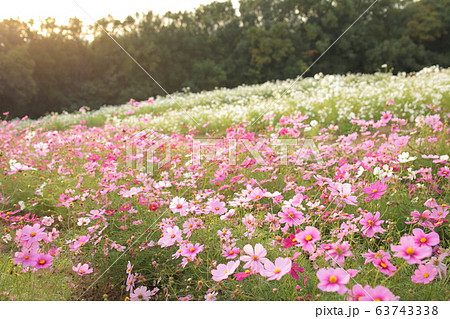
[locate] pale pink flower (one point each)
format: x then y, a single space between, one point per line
254 258
82 269
425 274
223 271
338 252
276 270
379 293
140 294
333 280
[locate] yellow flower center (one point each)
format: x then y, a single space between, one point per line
423 240
192 249
277 271
179 206
33 234
333 279
375 190
339 250
383 265
26 257
255 257
42 262
370 222
410 251
308 238
426 275
377 299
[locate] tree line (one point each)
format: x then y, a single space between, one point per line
62 67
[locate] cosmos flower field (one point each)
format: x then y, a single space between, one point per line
331 188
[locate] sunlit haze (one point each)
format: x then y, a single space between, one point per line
62 10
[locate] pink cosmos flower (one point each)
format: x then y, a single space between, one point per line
408 250
170 236
211 296
375 191
130 282
307 238
43 261
80 242
231 253
357 292
217 207
333 280
343 192
338 252
254 258
27 257
140 294
371 224
422 239
290 216
371 256
191 251
379 293
129 268
185 298
179 205
32 234
276 270
444 172
223 271
425 274
82 269
385 266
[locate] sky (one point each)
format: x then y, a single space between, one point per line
62 10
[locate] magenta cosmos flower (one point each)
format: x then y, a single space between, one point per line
223 271
384 266
43 261
333 280
307 238
422 239
276 270
290 216
254 258
374 191
371 224
379 293
425 274
408 250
